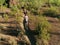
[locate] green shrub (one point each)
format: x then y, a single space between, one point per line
31 5
1 27
52 11
14 10
17 13
43 28
2 2
54 2
35 5
6 17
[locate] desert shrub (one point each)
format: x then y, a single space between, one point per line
43 28
12 42
2 2
17 13
35 5
18 17
14 10
6 17
3 8
9 41
31 5
54 2
1 26
59 17
52 11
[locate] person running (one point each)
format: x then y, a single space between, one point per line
26 21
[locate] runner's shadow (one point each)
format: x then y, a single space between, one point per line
31 37
30 34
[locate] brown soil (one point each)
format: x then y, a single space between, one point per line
55 31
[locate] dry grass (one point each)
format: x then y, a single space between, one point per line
10 39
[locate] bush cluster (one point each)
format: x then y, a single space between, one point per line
43 28
52 11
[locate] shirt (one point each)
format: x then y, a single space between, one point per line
26 18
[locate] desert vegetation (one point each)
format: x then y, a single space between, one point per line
44 17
